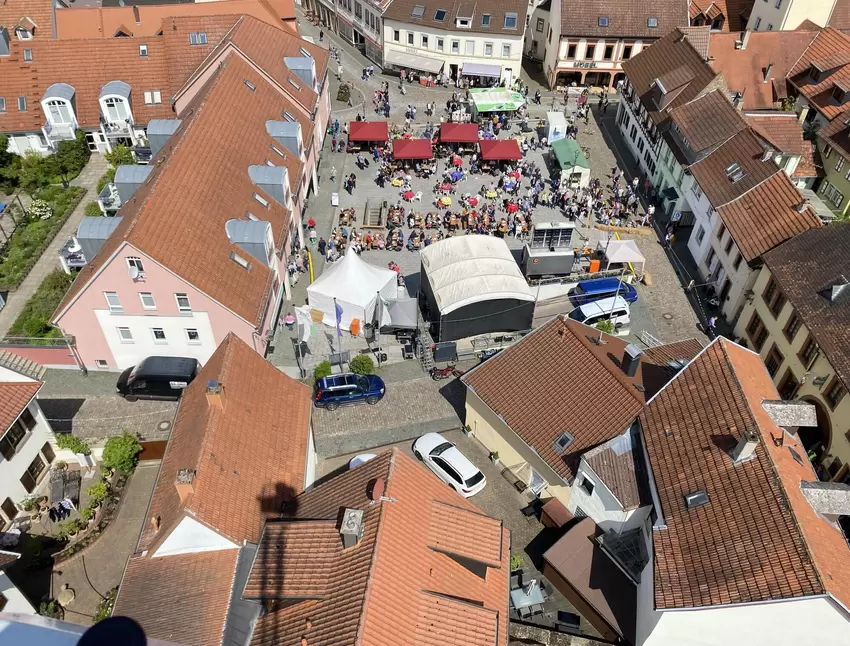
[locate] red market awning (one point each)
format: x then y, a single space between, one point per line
368 131
458 133
499 149
412 149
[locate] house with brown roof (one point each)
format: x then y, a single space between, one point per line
26 443
720 15
797 321
833 142
201 246
821 77
240 449
745 543
557 408
588 42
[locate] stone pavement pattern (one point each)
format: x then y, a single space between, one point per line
97 571
50 258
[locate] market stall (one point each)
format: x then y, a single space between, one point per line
367 132
423 65
496 150
482 74
622 253
575 170
556 126
494 100
461 136
412 149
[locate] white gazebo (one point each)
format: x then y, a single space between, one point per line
620 253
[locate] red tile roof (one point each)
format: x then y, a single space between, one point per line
15 396
742 546
708 120
181 599
810 164
40 12
781 130
767 216
619 464
830 51
104 22
557 379
580 18
392 587
837 134
248 458
731 10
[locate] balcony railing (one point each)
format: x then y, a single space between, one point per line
109 199
59 131
117 129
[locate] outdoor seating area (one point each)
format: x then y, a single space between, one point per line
533 600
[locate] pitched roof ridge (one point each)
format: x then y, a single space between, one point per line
683 370
373 559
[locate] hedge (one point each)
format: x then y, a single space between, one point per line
34 319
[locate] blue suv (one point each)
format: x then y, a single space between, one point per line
348 388
588 291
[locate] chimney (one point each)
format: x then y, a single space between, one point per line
215 394
631 360
828 499
746 448
351 528
155 521
136 15
745 39
767 72
790 414
185 484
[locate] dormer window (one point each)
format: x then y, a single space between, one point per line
440 15
815 72
511 18
23 33
143 51
463 23
485 19
838 94
603 21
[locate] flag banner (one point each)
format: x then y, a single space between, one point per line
338 309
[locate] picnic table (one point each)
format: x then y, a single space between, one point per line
521 599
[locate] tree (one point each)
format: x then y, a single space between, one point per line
121 155
606 326
9 165
70 158
121 453
34 173
324 369
362 365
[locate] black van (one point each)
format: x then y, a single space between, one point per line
157 378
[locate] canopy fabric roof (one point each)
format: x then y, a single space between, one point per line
471 269
354 285
556 119
400 313
496 100
418 62
368 131
459 133
412 149
499 149
481 69
569 154
622 252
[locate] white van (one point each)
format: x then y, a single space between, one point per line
616 309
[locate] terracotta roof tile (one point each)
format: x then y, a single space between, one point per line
557 379
745 69
625 19
767 216
619 464
704 556
840 17
707 121
248 458
837 134
104 22
7 558
465 533
14 398
181 599
804 267
744 151
402 11
391 587
830 51
781 130
810 164
39 12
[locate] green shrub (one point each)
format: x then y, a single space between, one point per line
516 562
121 155
121 453
93 210
34 319
606 326
108 176
322 370
50 608
72 443
362 364
98 493
87 513
104 608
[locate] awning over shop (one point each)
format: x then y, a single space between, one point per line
499 149
421 63
569 154
368 131
481 69
496 100
412 149
458 133
670 193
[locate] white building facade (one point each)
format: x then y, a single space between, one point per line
786 15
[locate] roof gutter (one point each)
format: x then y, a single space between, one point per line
743 604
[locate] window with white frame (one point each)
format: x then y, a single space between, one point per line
101 363
410 38
158 335
197 38
839 164
488 49
28 55
153 97
510 20
116 109
192 336
22 104
587 485
455 47
148 302
540 24
59 112
125 335
470 47
2 104
396 35
700 235
143 50
424 41
183 305
506 50
439 44
485 19
113 301
833 195
134 262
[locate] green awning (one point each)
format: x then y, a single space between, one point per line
569 153
496 100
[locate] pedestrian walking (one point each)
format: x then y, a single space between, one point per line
321 35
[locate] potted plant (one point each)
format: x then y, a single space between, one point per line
494 457
97 494
467 430
30 504
60 465
87 514
516 562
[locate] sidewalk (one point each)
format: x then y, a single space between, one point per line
50 258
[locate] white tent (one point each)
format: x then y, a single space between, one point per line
622 252
355 285
556 124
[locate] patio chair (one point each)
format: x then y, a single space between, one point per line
417 197
515 581
524 613
537 609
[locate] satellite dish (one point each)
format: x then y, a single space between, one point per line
133 271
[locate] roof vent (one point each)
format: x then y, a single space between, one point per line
563 441
767 72
767 155
801 207
696 499
631 359
184 482
351 527
746 448
676 365
215 394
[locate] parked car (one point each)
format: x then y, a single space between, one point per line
616 309
363 458
450 465
348 388
157 378
588 291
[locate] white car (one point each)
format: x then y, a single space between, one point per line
450 465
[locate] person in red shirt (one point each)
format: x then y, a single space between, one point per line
311 223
